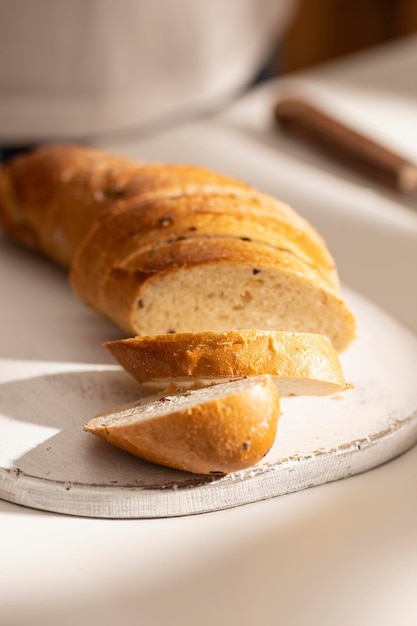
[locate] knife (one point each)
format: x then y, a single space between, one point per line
306 121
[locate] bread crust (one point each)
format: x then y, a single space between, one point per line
230 432
301 363
61 190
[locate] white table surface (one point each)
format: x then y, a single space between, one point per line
342 553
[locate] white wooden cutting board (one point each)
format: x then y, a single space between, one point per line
54 376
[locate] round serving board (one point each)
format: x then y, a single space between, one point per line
54 376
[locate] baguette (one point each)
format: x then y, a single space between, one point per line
232 257
213 430
299 363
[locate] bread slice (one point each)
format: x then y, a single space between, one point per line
140 224
213 430
218 284
300 363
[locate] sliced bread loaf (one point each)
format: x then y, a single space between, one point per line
241 260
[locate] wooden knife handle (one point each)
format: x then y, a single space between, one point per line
347 145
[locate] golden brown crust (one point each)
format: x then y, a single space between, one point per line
200 250
55 188
61 190
301 363
228 433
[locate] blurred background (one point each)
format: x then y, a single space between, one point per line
86 67
325 29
